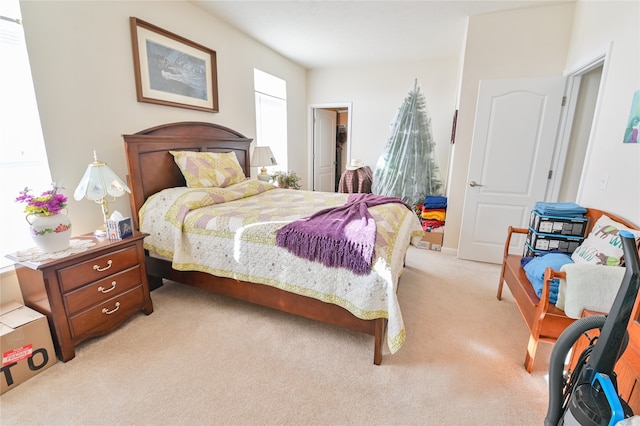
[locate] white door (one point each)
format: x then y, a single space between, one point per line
324 150
513 142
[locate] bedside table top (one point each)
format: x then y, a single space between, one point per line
80 245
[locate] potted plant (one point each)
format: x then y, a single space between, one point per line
286 179
50 228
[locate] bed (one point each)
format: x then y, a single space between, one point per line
365 303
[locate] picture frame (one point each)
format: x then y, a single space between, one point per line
631 132
453 127
171 70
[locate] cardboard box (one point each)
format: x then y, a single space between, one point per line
568 226
25 344
119 229
432 240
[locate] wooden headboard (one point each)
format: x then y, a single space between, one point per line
152 168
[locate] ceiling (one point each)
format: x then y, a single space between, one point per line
324 34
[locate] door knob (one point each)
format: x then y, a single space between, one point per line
474 183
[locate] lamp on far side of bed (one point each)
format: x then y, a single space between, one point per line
98 183
263 157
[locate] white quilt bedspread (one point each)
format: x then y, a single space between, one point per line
231 232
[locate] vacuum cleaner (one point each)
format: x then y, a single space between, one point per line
588 396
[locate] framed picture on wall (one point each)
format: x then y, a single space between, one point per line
171 70
453 127
633 122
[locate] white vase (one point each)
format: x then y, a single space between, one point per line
50 233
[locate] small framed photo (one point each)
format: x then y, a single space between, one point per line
171 70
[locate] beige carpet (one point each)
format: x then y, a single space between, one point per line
203 359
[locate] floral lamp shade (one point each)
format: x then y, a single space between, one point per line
98 183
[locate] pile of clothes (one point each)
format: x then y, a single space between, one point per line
433 212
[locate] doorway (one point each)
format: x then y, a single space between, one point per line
575 131
334 149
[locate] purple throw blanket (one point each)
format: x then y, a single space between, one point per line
343 236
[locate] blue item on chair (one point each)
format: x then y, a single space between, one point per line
560 209
535 272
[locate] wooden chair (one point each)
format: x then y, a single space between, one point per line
545 321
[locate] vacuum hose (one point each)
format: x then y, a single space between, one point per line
556 364
598 360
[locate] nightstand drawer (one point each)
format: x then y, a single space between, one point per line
102 290
108 314
97 268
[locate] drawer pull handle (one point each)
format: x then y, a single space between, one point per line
109 312
99 269
107 290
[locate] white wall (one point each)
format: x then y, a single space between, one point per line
518 43
377 91
599 27
82 66
82 63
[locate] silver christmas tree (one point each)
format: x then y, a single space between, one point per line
407 169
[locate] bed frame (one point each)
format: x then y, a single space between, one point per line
152 169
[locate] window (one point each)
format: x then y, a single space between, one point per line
24 159
271 115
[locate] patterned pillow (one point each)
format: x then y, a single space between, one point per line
603 245
209 169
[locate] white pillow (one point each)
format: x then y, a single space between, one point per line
603 245
590 287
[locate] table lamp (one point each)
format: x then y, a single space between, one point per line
262 157
99 182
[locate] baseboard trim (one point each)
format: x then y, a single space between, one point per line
450 251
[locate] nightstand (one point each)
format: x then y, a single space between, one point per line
89 293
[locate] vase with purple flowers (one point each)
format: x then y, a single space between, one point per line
50 228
